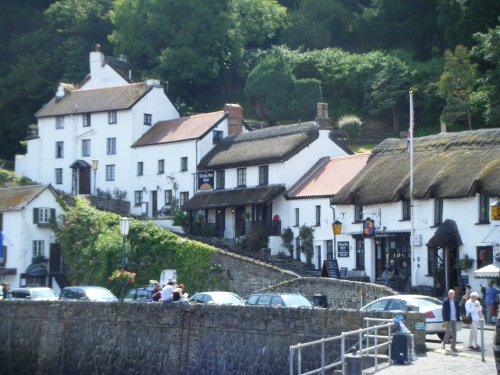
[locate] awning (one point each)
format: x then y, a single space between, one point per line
446 235
36 270
488 272
8 271
79 164
234 197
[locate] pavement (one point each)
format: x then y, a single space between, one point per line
447 362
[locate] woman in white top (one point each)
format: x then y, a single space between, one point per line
473 308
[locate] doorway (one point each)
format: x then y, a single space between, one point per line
154 203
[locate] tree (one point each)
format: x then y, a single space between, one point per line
389 87
287 238
306 93
306 235
456 85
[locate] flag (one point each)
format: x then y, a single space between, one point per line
409 134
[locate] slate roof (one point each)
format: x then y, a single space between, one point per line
16 198
446 165
274 144
180 129
327 176
233 197
94 100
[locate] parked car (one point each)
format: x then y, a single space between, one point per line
140 294
218 298
35 294
87 293
278 299
430 306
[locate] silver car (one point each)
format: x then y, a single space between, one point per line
34 294
217 298
430 306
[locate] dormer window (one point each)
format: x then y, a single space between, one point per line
484 209
241 177
406 209
217 136
358 213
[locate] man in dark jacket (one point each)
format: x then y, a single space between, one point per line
451 315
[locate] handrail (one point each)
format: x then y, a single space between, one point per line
361 332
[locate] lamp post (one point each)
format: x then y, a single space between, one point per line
336 228
124 225
95 164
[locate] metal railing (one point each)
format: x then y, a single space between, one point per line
368 333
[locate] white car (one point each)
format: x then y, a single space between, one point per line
430 306
217 298
34 294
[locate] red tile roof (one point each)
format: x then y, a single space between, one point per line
180 129
328 176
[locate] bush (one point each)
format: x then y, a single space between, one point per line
351 126
306 235
287 238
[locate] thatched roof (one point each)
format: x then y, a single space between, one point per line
275 144
234 197
446 165
94 100
16 198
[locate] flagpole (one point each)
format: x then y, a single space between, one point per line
412 230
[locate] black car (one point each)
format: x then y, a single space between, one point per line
140 294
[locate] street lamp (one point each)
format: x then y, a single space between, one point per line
337 229
95 164
124 225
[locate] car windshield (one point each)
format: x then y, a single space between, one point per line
100 294
231 299
43 293
295 300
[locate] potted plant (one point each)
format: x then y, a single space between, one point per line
464 264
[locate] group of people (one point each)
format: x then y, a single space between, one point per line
397 277
171 292
468 305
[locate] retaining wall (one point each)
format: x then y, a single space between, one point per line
69 337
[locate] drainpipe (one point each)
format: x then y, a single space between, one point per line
334 235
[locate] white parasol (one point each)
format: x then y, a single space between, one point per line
488 272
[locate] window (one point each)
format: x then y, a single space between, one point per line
297 217
220 179
59 122
38 248
183 197
110 172
112 117
406 206
184 163
329 248
218 135
168 197
59 176
318 216
358 213
484 209
438 211
3 258
85 147
140 168
138 197
431 261
242 177
161 166
148 119
43 215
263 175
111 146
360 254
484 256
86 120
59 150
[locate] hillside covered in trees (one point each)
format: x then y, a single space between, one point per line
275 57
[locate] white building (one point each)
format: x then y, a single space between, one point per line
250 172
456 178
112 135
30 254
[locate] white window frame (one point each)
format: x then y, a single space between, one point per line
140 168
86 120
59 149
184 163
112 117
59 122
111 146
241 177
148 119
183 197
138 198
110 172
38 248
59 176
85 147
161 166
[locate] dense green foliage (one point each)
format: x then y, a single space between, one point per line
365 56
91 246
306 235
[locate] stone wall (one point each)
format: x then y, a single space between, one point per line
339 293
66 337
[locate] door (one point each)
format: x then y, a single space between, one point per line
154 203
220 222
239 221
84 180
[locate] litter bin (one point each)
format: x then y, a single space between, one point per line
352 364
320 300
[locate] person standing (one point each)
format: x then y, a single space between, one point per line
393 274
451 316
465 298
490 300
167 291
6 291
404 276
473 308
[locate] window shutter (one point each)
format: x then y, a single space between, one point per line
35 216
52 214
1 221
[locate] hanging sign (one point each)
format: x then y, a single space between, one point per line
368 228
206 180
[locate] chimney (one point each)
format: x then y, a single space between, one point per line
96 62
235 118
60 91
443 127
324 122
